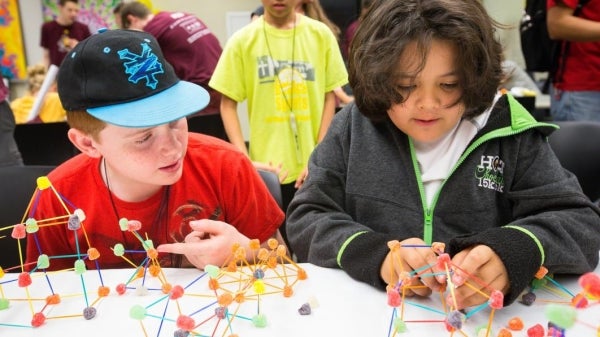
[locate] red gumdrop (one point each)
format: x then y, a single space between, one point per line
185 323
121 289
590 283
536 331
394 298
19 231
176 292
579 301
24 280
496 300
38 319
443 260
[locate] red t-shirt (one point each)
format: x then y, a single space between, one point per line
218 181
51 38
582 68
190 47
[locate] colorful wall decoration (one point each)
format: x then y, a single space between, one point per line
12 50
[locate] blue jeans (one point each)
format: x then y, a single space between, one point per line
575 105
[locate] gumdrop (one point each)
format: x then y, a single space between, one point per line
496 300
304 309
18 231
400 325
259 274
288 291
555 331
259 320
443 260
302 274
272 243
118 249
259 287
134 225
80 214
212 270
579 301
53 299
121 288
455 319
93 254
24 280
89 313
152 253
254 244
185 322
543 271
31 226
221 312
181 333
516 324
43 261
73 223
504 333
394 298
4 303
38 319
590 283
528 298
141 290
176 292
536 331
225 299
43 182
137 312
103 291
562 315
281 251
166 288
79 267
123 222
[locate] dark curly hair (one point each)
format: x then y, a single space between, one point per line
390 25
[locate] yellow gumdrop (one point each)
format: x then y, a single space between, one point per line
1 272
259 287
43 182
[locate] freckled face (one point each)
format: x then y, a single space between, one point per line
147 158
430 110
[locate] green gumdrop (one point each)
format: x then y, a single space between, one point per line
399 325
119 250
79 267
212 270
31 225
137 312
43 261
148 244
538 283
563 316
123 222
4 303
259 320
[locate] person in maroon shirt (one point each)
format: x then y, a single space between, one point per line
60 35
191 48
9 151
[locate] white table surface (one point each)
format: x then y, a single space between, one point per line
343 307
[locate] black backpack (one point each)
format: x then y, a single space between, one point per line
541 53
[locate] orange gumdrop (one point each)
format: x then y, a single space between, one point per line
152 253
541 273
53 299
166 288
504 333
93 254
288 291
154 270
515 324
254 244
225 299
103 291
140 273
272 262
231 267
213 284
302 274
272 243
281 251
240 298
263 254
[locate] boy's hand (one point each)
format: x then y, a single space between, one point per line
210 242
406 260
482 263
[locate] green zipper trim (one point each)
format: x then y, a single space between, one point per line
343 248
521 120
534 238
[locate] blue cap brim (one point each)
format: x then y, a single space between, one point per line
180 100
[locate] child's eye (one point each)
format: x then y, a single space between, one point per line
143 140
405 88
449 86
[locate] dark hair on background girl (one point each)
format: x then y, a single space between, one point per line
390 25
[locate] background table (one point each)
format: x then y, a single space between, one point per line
345 308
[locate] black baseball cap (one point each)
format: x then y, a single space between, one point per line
122 78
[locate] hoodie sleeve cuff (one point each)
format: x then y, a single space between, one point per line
517 250
363 256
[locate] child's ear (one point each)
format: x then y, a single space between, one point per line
84 142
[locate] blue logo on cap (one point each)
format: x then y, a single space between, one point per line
144 66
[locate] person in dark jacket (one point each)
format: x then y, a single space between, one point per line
432 152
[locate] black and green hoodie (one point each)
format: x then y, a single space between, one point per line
507 191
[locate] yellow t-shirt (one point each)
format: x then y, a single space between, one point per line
50 111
